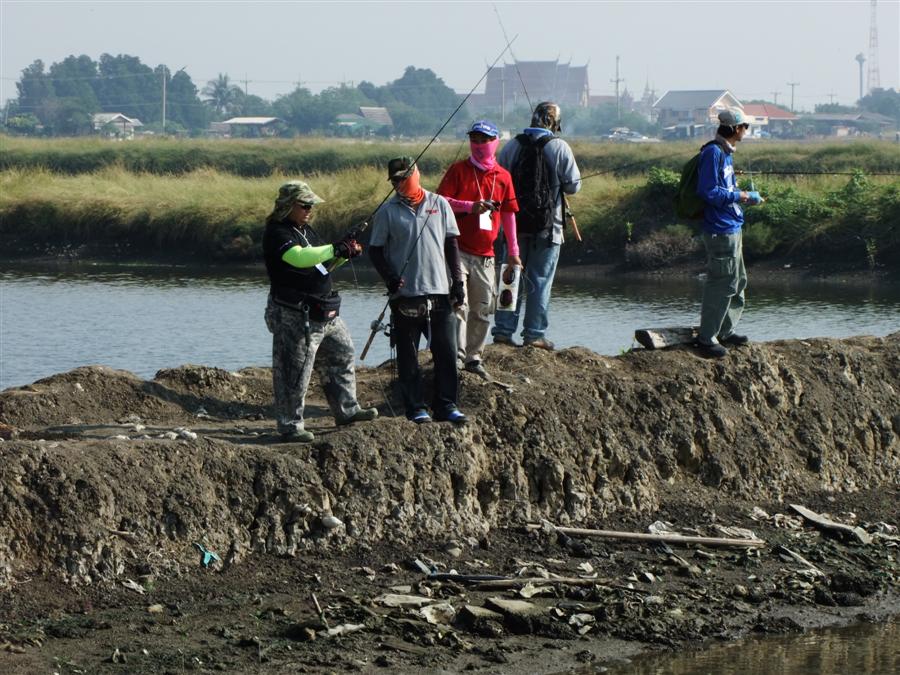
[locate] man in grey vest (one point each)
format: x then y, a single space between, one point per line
538 247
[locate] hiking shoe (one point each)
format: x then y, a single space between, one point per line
734 340
361 415
501 339
453 415
420 417
476 368
297 436
541 343
711 351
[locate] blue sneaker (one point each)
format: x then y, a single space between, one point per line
420 417
453 415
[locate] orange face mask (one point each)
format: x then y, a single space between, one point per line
410 189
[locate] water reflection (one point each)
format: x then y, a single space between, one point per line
146 318
865 648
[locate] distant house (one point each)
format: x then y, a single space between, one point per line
848 124
366 122
690 113
379 117
253 126
115 125
769 118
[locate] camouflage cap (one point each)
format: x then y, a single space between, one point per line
399 167
291 193
547 115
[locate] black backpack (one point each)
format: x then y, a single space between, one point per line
531 181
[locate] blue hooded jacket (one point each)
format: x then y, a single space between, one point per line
716 185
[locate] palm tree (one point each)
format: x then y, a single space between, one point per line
221 94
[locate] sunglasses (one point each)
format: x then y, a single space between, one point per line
305 207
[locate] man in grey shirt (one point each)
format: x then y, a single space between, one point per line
538 245
413 245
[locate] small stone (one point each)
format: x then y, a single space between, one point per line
330 522
187 434
155 609
740 591
513 607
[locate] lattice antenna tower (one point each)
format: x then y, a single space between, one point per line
873 75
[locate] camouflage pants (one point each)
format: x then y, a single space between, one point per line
295 348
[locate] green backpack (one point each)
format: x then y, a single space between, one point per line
688 203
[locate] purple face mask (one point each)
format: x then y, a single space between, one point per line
483 153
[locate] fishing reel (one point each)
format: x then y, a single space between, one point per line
378 326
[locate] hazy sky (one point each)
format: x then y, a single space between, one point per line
752 48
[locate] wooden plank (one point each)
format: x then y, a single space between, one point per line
829 525
678 539
659 338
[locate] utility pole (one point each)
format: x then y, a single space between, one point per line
792 85
830 96
775 96
616 81
165 73
165 77
503 94
860 59
246 83
874 76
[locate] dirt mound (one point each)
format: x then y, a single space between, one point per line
105 472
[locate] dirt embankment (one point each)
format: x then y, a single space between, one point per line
107 477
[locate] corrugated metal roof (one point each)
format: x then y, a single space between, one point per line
691 100
377 115
252 120
773 112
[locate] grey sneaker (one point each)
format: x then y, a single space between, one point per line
541 343
297 436
711 351
361 415
476 368
734 340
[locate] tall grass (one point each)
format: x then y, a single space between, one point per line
213 214
307 155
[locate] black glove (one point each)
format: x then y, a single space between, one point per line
346 248
394 284
457 293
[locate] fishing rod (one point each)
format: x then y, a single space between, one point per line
378 325
567 210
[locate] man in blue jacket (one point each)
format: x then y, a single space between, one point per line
726 276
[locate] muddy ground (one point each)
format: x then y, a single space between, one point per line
114 492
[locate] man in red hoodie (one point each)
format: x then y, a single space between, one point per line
481 194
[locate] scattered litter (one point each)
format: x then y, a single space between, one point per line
662 527
440 613
737 532
397 600
344 628
586 567
208 557
186 434
828 525
758 514
155 609
132 585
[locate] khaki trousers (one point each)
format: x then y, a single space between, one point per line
475 314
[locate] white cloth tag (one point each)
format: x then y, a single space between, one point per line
321 268
485 221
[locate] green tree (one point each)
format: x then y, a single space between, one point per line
883 101
35 90
183 105
130 87
221 94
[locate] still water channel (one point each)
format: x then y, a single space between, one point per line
872 649
143 319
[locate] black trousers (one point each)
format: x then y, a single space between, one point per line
406 332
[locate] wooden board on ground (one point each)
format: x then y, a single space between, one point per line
658 338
